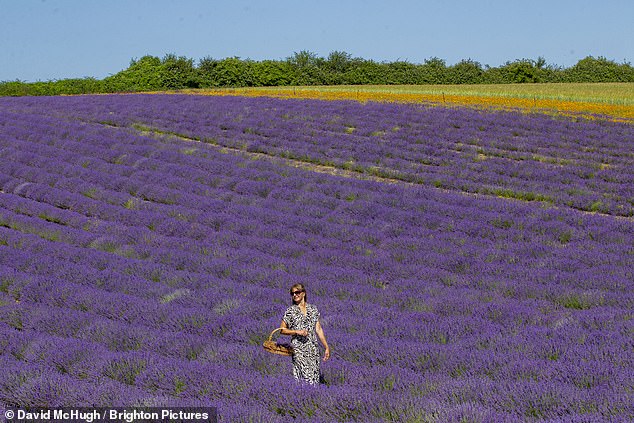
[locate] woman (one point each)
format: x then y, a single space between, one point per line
301 320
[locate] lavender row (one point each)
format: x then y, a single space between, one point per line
408 253
588 164
113 284
427 358
377 350
26 255
184 380
180 183
206 152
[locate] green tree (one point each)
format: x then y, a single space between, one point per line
339 61
206 70
150 73
307 68
401 72
433 71
465 72
145 74
520 71
178 72
600 69
336 66
364 72
232 72
272 73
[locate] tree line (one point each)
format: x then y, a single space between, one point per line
172 72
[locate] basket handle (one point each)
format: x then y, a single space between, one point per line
271 335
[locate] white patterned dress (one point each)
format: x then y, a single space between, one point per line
306 351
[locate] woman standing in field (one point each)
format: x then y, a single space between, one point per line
301 321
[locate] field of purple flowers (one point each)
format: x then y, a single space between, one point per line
587 165
140 268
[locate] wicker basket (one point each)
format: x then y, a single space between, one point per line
275 348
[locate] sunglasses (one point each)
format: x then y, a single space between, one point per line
296 292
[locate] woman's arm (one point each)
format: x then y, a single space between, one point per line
322 338
286 331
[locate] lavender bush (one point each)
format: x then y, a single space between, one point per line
144 269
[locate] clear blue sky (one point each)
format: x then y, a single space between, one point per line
55 39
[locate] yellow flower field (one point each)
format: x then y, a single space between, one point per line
614 101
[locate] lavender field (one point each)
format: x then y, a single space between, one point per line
469 266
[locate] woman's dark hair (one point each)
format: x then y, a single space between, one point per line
301 288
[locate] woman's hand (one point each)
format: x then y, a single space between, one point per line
322 338
301 332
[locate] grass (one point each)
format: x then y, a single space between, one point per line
609 93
